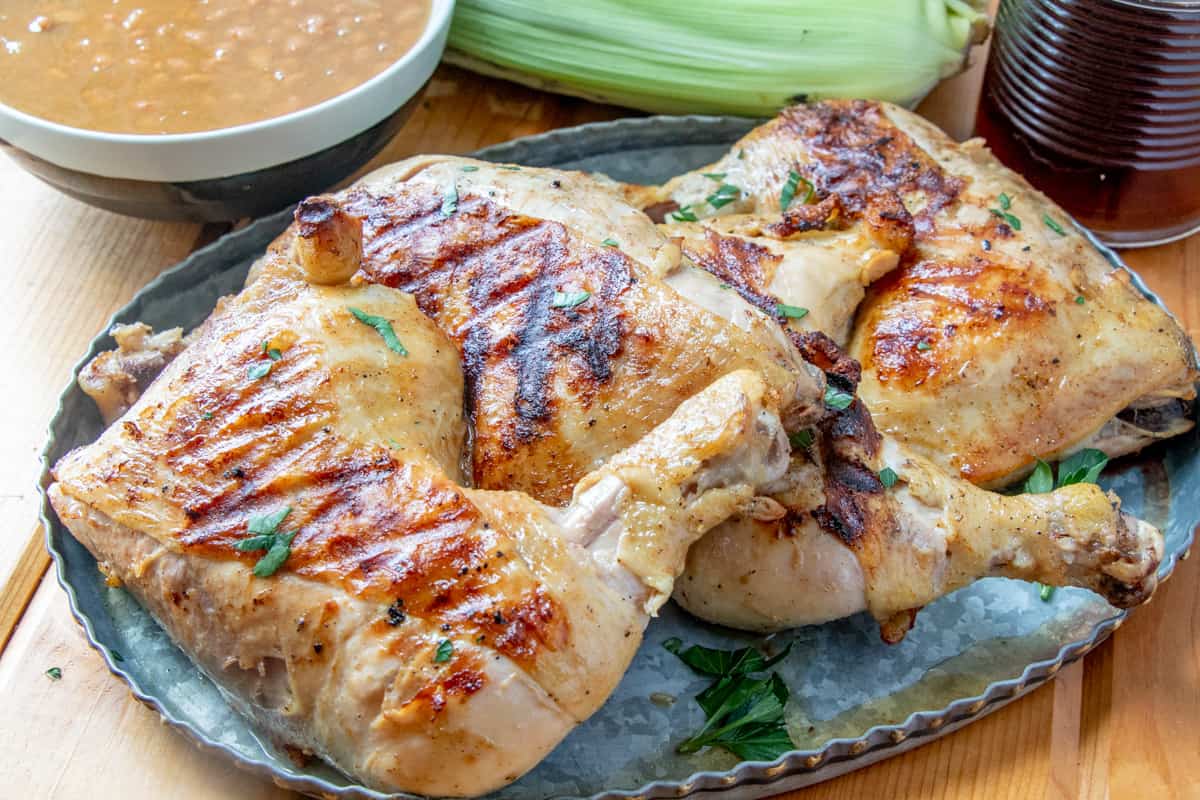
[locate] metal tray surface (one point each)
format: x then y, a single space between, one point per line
855 699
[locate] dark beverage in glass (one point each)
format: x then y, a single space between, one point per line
1097 103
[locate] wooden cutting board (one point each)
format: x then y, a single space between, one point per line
1122 723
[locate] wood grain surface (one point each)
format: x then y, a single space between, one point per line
1122 723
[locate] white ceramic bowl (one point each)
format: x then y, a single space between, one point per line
246 170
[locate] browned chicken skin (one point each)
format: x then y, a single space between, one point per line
413 622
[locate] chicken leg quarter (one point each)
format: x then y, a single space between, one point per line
411 623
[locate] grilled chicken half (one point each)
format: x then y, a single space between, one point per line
986 343
286 499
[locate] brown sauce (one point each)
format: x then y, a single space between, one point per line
181 66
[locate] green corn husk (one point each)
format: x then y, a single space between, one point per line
745 57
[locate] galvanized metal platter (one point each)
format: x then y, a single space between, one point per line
855 699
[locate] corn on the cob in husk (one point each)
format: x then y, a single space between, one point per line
734 56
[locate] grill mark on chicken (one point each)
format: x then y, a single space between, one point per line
384 530
931 302
512 266
857 154
744 265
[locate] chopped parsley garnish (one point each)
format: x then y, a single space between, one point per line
888 477
470 168
788 194
509 167
54 673
1084 466
271 352
1005 201
722 663
801 439
725 194
258 370
743 714
569 299
1045 592
382 326
1040 481
449 200
684 214
924 345
741 155
716 176
1053 225
611 243
790 312
268 537
1012 221
116 655
445 649
836 398
1079 300
206 415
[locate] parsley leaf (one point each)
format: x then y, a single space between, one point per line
1040 481
790 312
382 326
924 345
1082 467
1053 225
1079 300
54 673
742 713
569 299
271 352
445 649
837 399
258 370
709 661
279 552
278 545
794 179
1012 221
725 194
801 439
684 214
716 176
268 523
1005 201
611 243
449 200
888 477
470 168
1045 592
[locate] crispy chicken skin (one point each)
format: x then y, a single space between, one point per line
415 623
991 345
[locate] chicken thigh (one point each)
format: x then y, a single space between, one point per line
286 499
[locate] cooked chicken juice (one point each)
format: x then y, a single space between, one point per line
179 66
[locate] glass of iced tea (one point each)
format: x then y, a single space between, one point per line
1097 103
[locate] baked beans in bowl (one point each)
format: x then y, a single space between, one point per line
209 109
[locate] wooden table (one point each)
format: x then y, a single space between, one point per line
1123 722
